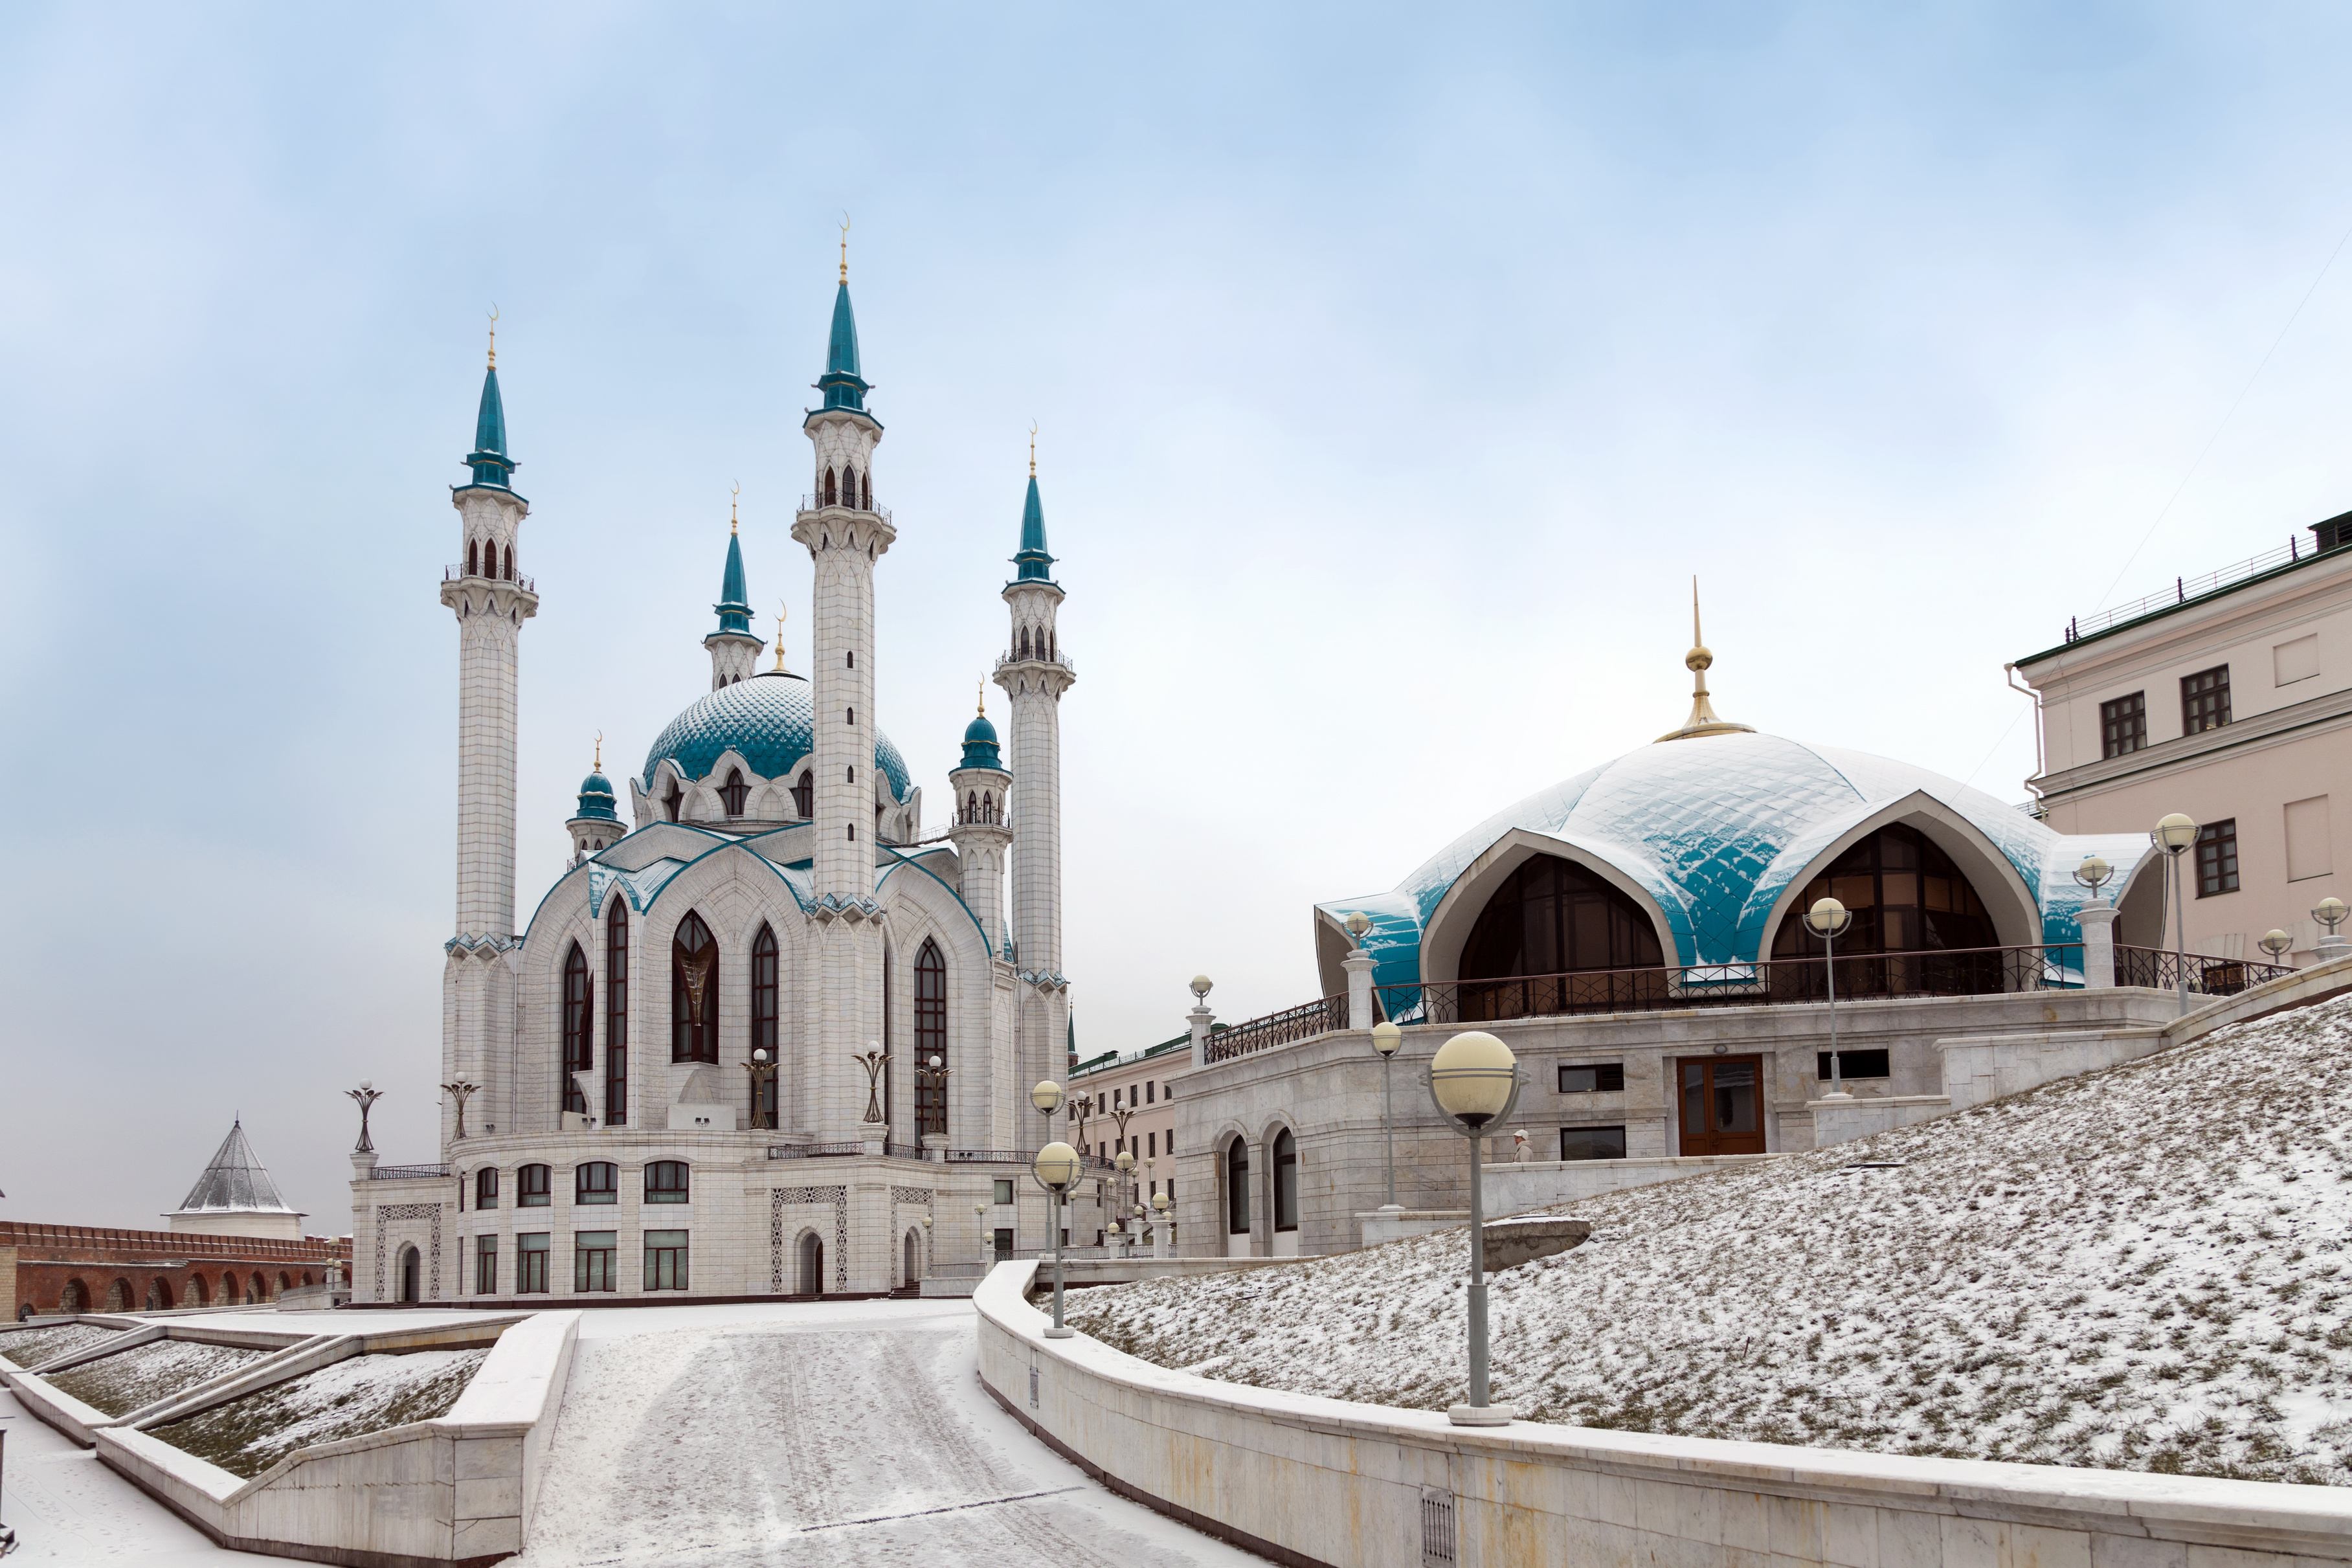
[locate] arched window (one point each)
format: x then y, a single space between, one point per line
1237 1211
1023 644
805 795
670 801
734 792
506 563
930 1037
693 993
910 1272
971 806
473 559
866 491
665 1181
533 1187
597 1182
828 485
486 1190
1286 1181
811 1260
579 1024
616 1014
987 807
1553 919
763 1022
1907 898
410 1287
1053 645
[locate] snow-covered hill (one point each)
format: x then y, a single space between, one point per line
2145 1268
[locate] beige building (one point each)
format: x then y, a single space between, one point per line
1128 1103
2231 704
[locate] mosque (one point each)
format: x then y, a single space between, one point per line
766 1034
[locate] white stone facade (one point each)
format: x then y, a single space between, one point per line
611 1042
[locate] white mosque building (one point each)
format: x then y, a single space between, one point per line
766 1037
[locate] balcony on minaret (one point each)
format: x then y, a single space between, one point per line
460 571
813 503
1053 656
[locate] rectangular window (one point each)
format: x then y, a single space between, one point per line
530 1264
665 1181
1150 1093
1853 1064
597 1182
485 1187
2296 660
2308 853
1592 1142
1172 1140
2216 858
1603 1078
592 1261
2205 700
2122 725
532 1187
665 1260
1151 1146
1003 1191
486 1265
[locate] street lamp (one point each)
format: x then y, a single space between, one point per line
464 1089
1056 1171
2094 873
979 1223
1475 1080
1828 920
1163 1233
2275 943
1386 1038
763 1073
2174 834
1125 1163
367 1094
2330 912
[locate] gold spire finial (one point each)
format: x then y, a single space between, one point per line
781 608
845 247
494 335
983 697
731 505
1033 448
1702 720
600 752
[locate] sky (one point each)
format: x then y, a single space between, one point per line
1394 372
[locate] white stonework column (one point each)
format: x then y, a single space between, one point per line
490 611
1200 1017
2098 923
1358 965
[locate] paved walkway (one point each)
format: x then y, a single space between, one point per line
826 1436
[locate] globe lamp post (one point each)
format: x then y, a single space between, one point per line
1056 1169
2328 911
1125 1163
2275 943
2174 834
1386 1038
1828 920
1475 1080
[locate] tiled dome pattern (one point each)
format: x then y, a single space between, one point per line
767 719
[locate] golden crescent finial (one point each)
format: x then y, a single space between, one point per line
600 751
845 247
983 697
1033 448
781 606
731 505
494 335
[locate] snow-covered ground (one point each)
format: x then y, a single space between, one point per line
2145 1269
350 1398
817 1434
133 1379
29 1348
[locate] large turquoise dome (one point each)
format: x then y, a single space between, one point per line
769 720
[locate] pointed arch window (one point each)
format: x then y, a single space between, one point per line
1237 1208
1053 645
1286 1181
506 563
866 491
616 1014
1023 645
735 793
828 485
694 993
671 801
764 1000
805 795
473 558
930 1037
987 807
579 1027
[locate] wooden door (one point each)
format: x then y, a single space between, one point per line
1722 1100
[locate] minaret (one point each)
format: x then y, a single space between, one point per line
982 829
595 826
734 650
491 599
844 534
1034 674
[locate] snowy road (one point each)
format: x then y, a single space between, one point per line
816 1434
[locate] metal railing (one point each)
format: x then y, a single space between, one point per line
1062 660
458 573
910 1152
814 1151
2161 971
406 1172
1281 1028
2254 566
906 1151
813 503
1018 1157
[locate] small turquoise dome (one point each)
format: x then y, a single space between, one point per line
770 721
596 799
980 745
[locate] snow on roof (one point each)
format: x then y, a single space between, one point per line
235 1182
2140 1269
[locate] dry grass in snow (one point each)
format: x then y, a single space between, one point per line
2145 1268
133 1379
29 1348
351 1398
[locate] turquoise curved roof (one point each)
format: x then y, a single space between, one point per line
1716 828
980 745
596 799
769 720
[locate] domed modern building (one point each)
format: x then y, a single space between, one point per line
770 1031
1637 934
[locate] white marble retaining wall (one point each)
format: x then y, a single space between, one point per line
456 1490
1310 1481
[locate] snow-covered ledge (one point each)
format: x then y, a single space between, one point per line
1310 1481
459 1490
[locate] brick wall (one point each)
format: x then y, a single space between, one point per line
90 1269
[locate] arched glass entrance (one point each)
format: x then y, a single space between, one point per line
1556 938
1918 925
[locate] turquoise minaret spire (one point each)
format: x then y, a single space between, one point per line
492 464
841 385
1034 562
734 650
